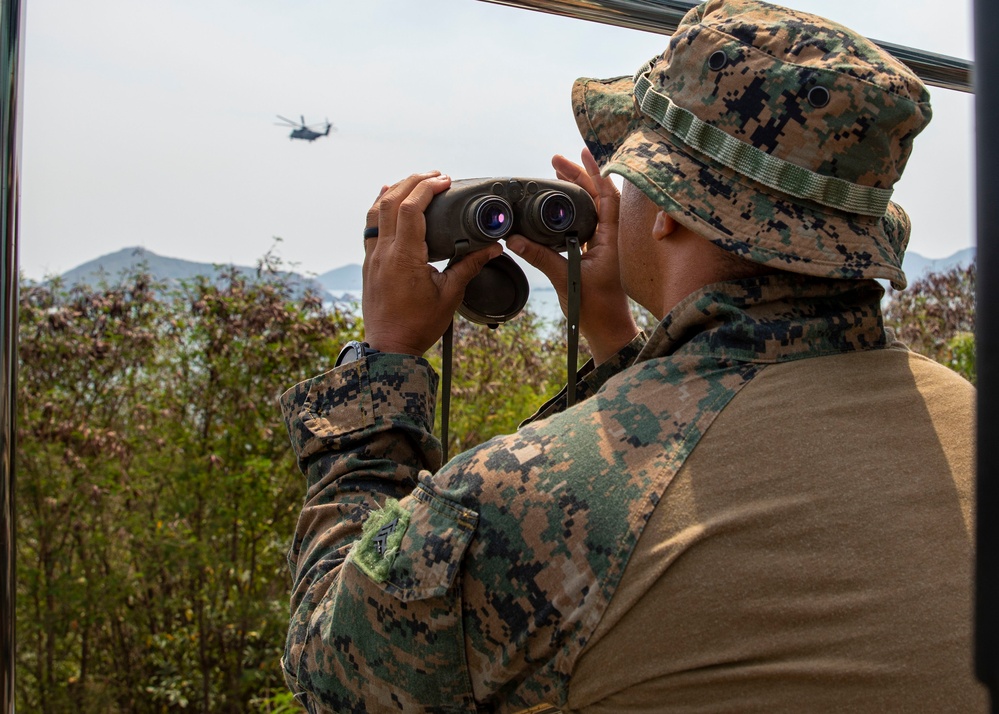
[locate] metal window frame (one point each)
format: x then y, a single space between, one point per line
11 73
986 15
663 16
651 15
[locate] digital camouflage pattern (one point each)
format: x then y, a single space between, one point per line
513 550
781 86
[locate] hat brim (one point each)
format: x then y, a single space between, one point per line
734 212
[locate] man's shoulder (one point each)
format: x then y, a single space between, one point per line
635 431
853 396
894 363
928 369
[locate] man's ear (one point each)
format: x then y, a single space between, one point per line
664 226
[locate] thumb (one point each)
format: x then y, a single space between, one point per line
458 275
548 261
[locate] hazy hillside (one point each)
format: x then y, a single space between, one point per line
340 280
346 279
172 270
916 265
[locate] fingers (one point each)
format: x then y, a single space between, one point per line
371 220
587 177
457 276
372 217
609 198
566 170
548 261
392 201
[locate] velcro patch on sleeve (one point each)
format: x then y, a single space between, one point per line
414 550
381 535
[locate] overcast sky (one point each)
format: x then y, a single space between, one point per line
151 123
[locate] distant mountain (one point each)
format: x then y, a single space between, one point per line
347 279
343 284
916 266
342 280
170 270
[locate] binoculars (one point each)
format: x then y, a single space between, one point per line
472 213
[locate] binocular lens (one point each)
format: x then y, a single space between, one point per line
557 212
494 217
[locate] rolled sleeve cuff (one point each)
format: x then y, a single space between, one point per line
349 403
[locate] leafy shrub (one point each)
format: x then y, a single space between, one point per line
500 377
935 316
157 491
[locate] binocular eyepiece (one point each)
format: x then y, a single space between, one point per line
473 213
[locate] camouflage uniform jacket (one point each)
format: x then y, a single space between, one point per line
475 587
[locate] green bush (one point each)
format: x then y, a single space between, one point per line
500 377
935 316
156 490
962 355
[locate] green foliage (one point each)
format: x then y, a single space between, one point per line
157 491
935 316
962 355
280 703
500 377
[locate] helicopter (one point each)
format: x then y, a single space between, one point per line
301 131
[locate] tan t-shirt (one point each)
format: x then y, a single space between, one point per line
813 554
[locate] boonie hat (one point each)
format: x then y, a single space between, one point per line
774 133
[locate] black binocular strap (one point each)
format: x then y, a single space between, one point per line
447 349
575 256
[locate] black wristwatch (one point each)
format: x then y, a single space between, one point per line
354 351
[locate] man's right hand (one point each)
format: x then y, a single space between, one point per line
406 303
605 319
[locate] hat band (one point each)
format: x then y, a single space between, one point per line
754 163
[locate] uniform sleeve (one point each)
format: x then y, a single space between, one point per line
376 623
379 621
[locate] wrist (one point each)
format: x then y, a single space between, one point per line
355 351
395 347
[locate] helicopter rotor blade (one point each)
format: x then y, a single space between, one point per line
289 121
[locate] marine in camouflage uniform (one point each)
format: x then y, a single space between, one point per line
762 506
